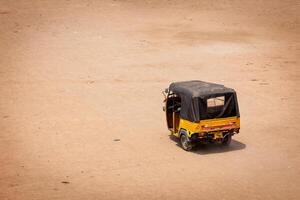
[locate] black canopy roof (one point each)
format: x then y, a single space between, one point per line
198 88
194 94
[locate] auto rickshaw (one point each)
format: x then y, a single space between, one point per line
198 111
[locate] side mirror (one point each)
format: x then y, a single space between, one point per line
165 92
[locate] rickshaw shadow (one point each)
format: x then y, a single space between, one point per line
204 149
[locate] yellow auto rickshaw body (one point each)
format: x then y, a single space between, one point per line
209 126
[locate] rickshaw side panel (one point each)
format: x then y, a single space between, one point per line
172 117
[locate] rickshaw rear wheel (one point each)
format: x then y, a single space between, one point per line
185 144
227 140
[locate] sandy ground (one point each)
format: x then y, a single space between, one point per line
78 75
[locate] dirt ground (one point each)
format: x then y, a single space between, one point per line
81 105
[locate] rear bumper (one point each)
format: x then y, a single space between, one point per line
213 136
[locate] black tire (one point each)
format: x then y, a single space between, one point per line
185 144
227 140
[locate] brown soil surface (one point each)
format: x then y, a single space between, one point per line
81 104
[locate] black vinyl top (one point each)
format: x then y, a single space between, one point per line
198 88
194 95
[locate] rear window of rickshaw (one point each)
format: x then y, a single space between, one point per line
215 102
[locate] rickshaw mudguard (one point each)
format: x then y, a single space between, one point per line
208 125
